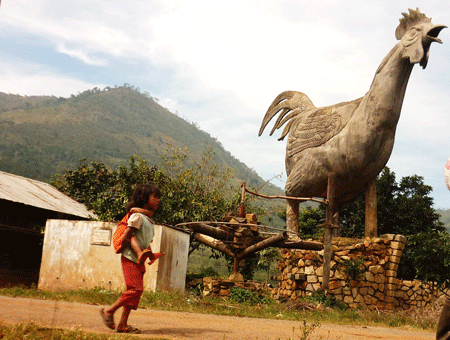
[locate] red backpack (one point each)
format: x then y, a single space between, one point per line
122 227
118 234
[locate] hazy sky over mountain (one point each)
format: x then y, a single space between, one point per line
220 64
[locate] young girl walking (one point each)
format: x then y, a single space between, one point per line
136 240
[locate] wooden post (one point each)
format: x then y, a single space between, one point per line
242 205
292 215
329 220
371 209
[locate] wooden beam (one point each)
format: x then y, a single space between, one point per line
211 231
268 242
306 245
299 199
213 243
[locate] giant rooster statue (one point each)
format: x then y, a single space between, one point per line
352 139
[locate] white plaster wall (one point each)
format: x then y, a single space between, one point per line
70 260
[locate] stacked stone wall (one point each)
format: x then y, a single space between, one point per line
363 273
222 287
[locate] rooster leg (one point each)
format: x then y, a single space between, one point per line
292 208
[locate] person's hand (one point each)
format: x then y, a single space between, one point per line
154 256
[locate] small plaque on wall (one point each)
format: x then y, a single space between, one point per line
101 237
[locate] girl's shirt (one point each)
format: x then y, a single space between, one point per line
144 231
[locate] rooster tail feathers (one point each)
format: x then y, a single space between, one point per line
291 104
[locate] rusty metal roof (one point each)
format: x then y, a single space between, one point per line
39 194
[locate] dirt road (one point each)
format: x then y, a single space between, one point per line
187 326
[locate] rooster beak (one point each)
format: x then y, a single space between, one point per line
433 33
431 36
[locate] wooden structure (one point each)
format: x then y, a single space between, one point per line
330 224
242 235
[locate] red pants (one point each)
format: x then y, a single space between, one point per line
134 280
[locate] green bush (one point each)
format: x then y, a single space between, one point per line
242 295
354 268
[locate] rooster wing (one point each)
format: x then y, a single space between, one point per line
307 125
315 127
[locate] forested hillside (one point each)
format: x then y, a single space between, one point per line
42 135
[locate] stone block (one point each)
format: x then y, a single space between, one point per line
377 269
312 279
394 259
359 299
334 285
400 238
316 286
393 266
309 270
300 277
397 245
342 252
391 287
346 291
348 299
379 296
319 271
370 277
380 278
389 237
391 273
397 252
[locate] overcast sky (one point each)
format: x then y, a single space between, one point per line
221 63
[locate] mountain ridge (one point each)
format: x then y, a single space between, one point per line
41 136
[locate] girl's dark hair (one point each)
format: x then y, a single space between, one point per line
141 194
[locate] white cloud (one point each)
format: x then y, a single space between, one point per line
33 79
81 55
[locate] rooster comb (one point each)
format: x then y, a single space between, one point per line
409 20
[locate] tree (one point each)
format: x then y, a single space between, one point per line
427 257
190 193
406 208
402 208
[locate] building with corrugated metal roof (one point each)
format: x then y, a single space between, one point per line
25 206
